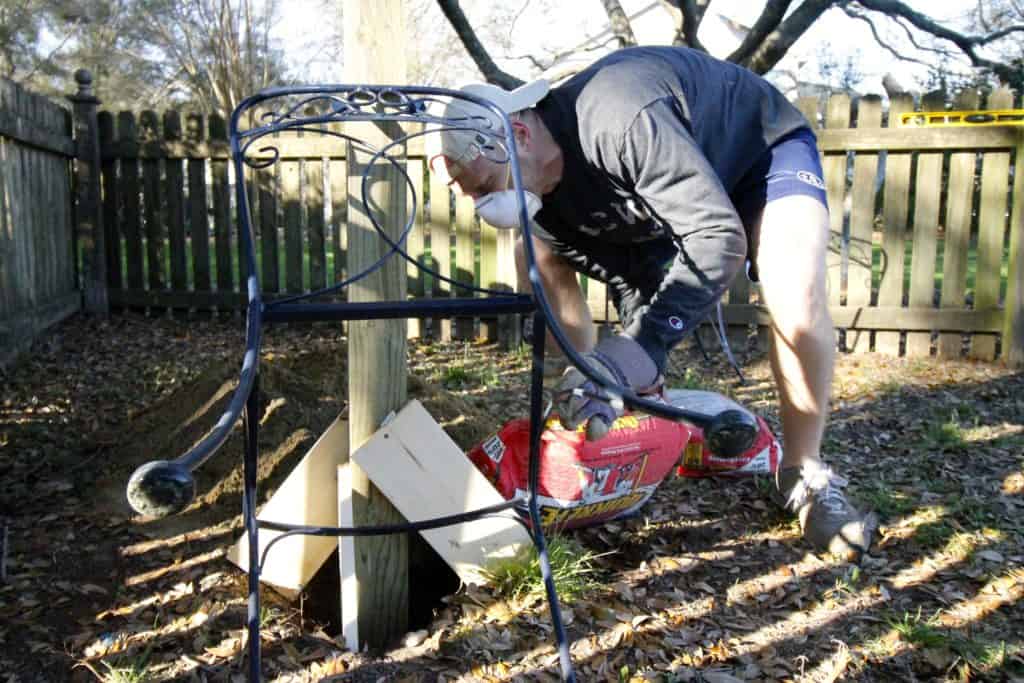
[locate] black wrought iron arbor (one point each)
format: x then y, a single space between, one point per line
165 487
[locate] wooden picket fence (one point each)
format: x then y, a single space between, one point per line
925 254
37 267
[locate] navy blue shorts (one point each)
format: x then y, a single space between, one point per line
791 167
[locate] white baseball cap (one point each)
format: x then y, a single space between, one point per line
484 128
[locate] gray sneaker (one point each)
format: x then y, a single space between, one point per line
828 520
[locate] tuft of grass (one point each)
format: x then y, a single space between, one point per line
917 631
134 671
572 568
887 501
948 435
461 376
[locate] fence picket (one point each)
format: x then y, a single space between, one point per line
131 217
440 249
291 200
465 218
895 212
174 191
415 243
149 130
926 222
860 256
837 115
339 211
956 240
220 190
198 207
314 200
111 200
995 169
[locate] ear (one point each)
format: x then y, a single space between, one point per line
522 133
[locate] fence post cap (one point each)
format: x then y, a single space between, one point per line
83 77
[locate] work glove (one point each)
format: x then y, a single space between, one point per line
626 364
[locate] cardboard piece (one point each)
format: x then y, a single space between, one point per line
425 474
308 496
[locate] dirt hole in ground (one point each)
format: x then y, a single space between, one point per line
300 396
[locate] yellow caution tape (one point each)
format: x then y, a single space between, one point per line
978 117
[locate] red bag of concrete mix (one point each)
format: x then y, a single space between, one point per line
763 457
582 482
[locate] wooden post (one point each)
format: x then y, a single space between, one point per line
88 210
376 348
1013 326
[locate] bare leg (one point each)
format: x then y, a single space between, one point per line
563 292
791 265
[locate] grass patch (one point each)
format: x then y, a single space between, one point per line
572 567
948 435
886 501
917 631
464 376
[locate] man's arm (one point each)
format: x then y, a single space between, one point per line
674 179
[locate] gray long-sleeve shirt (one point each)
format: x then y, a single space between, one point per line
654 141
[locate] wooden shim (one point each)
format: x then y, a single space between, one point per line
440 249
347 560
315 207
309 497
465 218
415 242
221 190
957 238
425 475
895 212
927 196
862 222
198 208
175 216
111 202
834 166
291 202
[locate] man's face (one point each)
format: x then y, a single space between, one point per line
479 177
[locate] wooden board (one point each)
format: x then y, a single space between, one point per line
862 223
424 474
309 496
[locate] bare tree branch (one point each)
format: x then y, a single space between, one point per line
692 17
967 44
884 44
777 43
769 20
619 23
474 47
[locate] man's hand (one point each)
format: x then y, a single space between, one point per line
624 363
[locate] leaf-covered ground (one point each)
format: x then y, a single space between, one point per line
710 582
